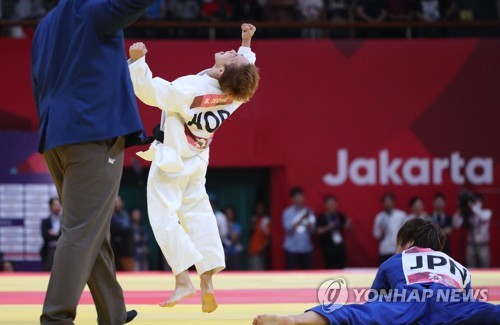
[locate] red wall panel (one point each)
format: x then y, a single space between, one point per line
420 99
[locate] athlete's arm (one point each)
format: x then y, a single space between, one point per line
151 91
247 32
381 282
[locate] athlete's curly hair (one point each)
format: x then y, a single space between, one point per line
240 82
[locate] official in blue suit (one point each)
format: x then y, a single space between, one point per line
88 114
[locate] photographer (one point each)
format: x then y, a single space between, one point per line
476 220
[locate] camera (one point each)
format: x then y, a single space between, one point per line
465 198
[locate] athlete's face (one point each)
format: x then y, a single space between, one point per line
225 58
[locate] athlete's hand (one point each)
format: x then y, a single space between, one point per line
137 51
247 31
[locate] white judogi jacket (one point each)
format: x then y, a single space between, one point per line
194 107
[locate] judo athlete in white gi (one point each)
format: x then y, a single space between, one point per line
194 107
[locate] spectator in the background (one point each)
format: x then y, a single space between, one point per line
51 231
5 266
386 226
217 10
399 10
258 251
245 10
444 220
282 10
122 238
184 9
417 208
312 10
339 10
373 11
220 218
330 226
434 10
299 222
476 220
233 248
157 11
141 241
26 9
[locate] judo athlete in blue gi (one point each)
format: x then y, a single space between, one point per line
418 285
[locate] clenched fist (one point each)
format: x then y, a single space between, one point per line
137 51
247 31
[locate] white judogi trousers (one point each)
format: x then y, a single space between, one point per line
182 218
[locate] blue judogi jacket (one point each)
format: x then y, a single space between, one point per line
81 81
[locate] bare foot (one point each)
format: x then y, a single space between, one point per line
208 302
273 320
183 289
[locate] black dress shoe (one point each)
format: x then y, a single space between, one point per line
130 316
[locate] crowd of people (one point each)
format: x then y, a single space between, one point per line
301 226
304 231
340 11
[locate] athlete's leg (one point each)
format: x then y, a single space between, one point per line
164 201
198 219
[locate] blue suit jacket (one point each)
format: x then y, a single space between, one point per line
80 77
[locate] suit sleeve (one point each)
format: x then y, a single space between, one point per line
154 91
45 230
110 16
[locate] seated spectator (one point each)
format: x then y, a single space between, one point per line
141 240
339 10
51 231
184 10
217 10
399 10
386 226
122 238
444 220
245 10
434 10
233 248
312 10
157 11
417 209
298 222
5 266
330 226
373 11
282 10
258 251
26 9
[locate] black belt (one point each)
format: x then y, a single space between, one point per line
158 134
